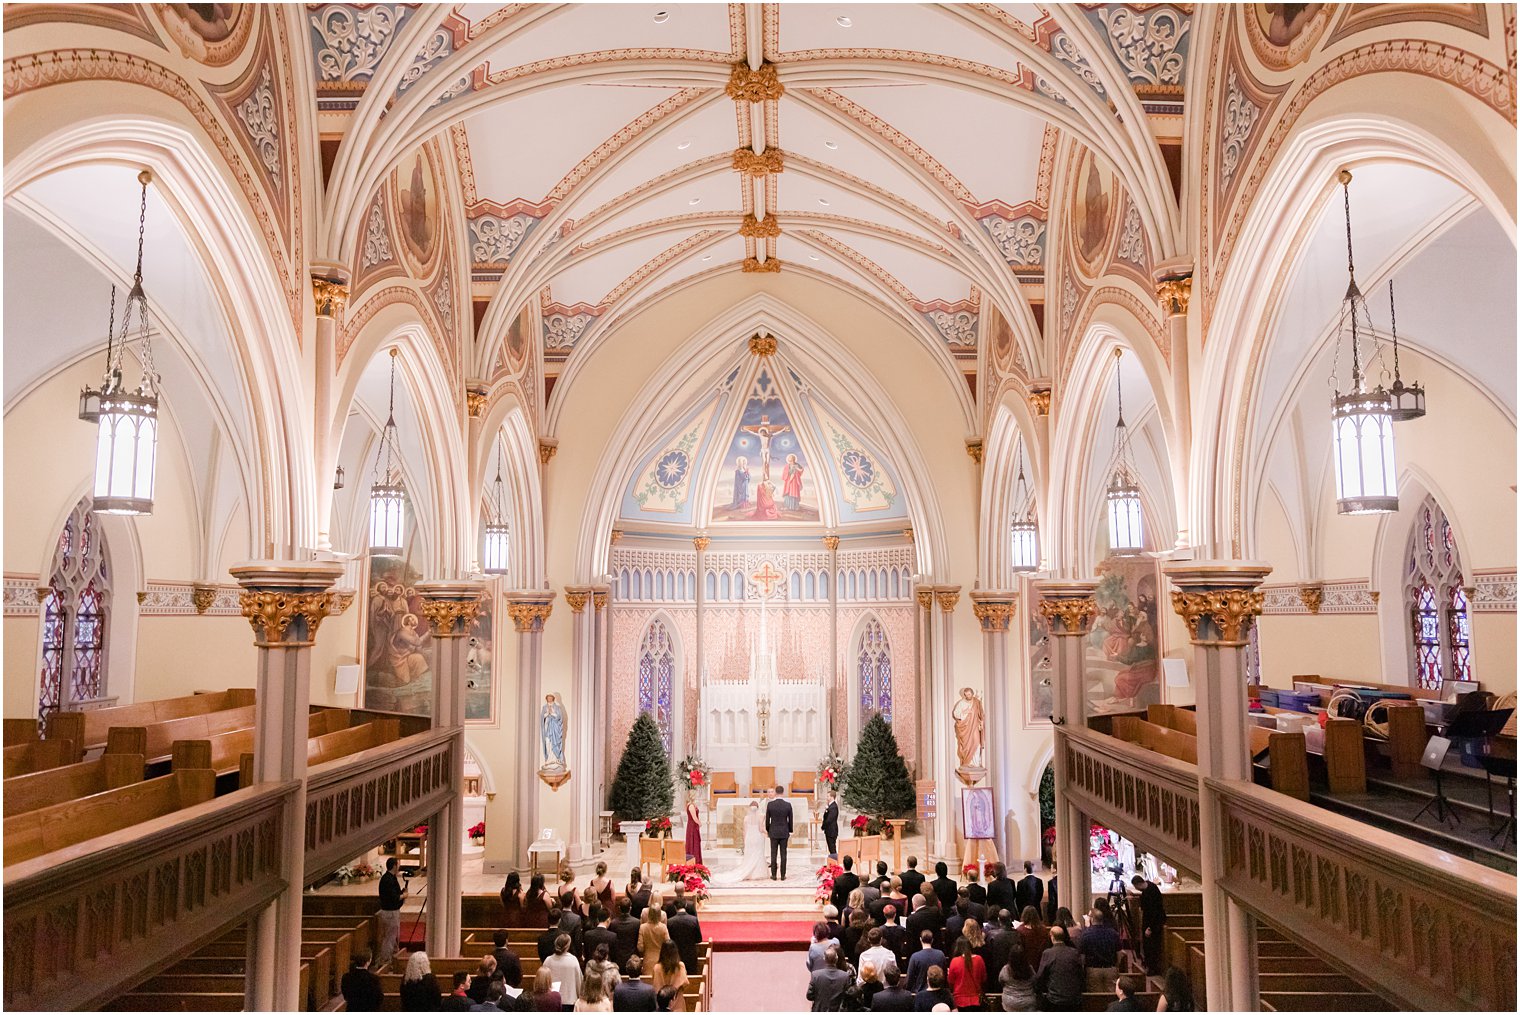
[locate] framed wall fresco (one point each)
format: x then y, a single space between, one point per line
1124 648
480 675
398 643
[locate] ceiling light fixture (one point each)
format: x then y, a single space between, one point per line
694 201
843 21
823 201
1361 421
1407 400
126 443
831 145
683 145
498 537
660 17
707 257
1024 541
1125 534
387 495
812 257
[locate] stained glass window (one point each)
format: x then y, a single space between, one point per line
1439 624
657 665
874 671
75 616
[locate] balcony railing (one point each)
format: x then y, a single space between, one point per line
1428 930
356 801
85 923
1143 795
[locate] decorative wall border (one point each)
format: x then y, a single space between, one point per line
1493 591
1340 597
21 595
177 599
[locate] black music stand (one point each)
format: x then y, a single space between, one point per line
1483 726
1434 756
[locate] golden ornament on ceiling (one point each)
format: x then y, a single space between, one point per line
760 229
746 84
754 265
752 163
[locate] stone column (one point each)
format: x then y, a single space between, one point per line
1174 289
1069 608
450 608
923 635
832 675
285 602
329 289
701 542
945 695
528 610
1219 601
583 723
599 632
994 611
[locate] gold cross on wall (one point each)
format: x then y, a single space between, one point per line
766 578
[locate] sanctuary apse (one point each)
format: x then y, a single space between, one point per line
495 376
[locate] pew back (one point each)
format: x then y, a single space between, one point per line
89 729
51 828
39 756
70 782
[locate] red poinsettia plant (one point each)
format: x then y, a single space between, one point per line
691 876
971 870
826 875
1050 836
860 823
657 826
478 830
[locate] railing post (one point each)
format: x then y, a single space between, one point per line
450 608
1069 608
529 610
1219 601
285 602
994 611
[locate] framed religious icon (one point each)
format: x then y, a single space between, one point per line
977 813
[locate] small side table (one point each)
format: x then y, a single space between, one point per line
606 827
897 824
540 854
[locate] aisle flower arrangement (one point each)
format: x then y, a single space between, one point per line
826 875
658 827
693 772
859 823
1104 853
863 824
691 876
832 772
355 872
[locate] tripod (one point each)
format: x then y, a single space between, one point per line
420 910
1118 904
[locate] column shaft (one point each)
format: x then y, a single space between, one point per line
832 739
583 663
529 611
945 695
1069 608
701 543
994 611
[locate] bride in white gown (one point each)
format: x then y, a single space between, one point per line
755 865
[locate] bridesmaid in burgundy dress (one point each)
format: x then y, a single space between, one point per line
693 829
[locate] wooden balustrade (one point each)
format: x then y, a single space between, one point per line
86 922
1429 930
358 800
1145 796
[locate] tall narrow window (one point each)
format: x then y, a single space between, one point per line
657 665
1439 625
874 671
75 616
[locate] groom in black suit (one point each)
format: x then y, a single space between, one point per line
831 825
778 825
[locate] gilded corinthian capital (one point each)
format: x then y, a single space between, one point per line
271 614
1229 612
1069 616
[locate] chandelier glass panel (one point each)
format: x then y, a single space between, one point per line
495 551
1366 477
1024 542
1125 531
126 443
387 494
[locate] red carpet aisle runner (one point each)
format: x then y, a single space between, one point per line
758 935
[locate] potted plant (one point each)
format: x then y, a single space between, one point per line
691 876
478 832
826 875
658 828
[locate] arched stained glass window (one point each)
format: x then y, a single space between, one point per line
1439 624
75 616
657 665
873 662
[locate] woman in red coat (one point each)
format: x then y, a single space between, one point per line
967 976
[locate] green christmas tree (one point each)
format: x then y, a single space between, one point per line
642 788
879 785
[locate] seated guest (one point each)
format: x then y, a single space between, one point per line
565 967
512 900
926 958
458 998
633 994
686 931
894 996
498 998
1060 979
601 967
944 886
967 976
822 942
545 997
360 987
507 962
935 992
1098 944
1017 980
1125 989
626 929
912 878
480 985
536 903
419 987
1176 992
827 985
670 972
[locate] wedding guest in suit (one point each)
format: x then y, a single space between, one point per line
944 886
894 996
1152 922
1032 889
831 824
633 994
912 878
845 883
927 957
626 929
827 985
686 931
1001 891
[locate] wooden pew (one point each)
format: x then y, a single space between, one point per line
1288 757
112 770
51 828
39 756
160 736
341 743
20 731
1345 757
1406 738
90 729
326 720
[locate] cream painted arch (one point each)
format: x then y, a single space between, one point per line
425 524
710 346
1290 195
438 413
252 298
1012 425
506 420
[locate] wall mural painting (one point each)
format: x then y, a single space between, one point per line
1283 24
212 34
866 485
398 674
418 205
1124 648
517 340
1094 206
663 486
765 475
1042 699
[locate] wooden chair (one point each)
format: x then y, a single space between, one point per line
660 852
724 784
802 784
762 778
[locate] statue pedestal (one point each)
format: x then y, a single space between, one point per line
631 831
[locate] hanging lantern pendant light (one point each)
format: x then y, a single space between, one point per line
1024 542
126 442
1407 401
1125 532
1361 420
387 495
498 538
